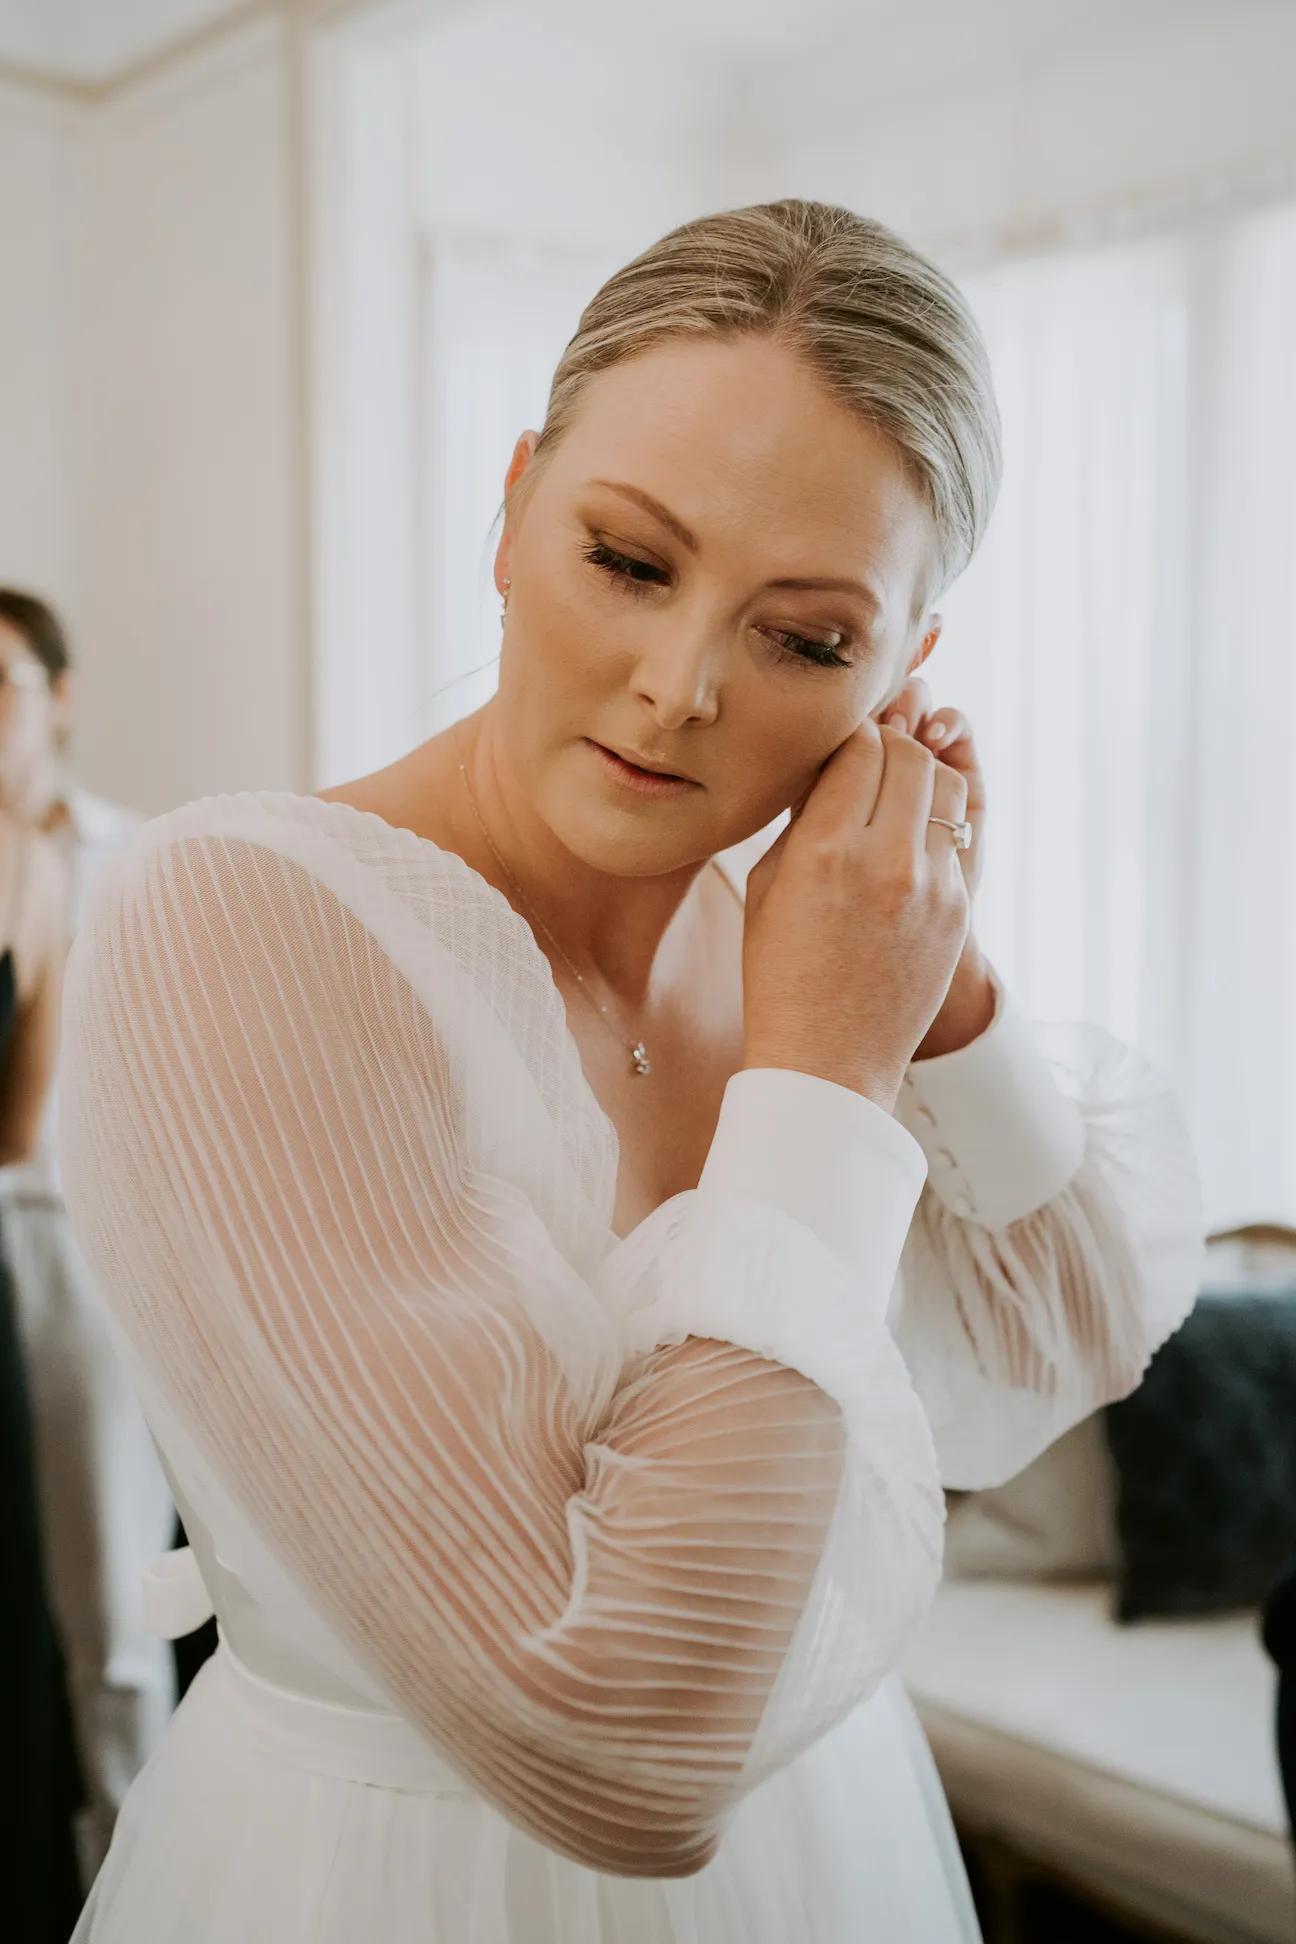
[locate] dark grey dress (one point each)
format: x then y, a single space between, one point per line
40 1783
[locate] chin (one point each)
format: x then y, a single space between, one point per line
622 833
622 847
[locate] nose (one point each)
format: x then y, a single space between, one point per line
678 675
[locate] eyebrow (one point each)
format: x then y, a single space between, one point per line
813 583
655 507
821 584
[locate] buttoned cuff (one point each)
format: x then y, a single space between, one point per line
1000 1137
830 1158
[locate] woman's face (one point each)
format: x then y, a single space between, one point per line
717 572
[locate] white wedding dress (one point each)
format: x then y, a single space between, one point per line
560 1576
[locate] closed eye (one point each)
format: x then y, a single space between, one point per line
631 572
822 653
625 567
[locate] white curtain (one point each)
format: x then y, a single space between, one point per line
1126 646
1242 1079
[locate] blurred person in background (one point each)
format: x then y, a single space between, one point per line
560 1267
1280 1639
40 1789
106 1510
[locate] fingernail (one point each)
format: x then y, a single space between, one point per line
896 721
937 731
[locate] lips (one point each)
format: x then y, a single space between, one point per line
639 762
638 773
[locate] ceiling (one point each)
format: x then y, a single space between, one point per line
908 42
92 40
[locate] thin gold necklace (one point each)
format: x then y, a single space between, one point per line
639 1061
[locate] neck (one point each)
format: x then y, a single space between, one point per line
611 926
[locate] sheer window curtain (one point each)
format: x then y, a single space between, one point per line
1125 643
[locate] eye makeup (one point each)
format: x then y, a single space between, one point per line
633 574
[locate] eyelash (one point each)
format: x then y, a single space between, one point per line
621 567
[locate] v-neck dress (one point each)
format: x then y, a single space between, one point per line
561 1577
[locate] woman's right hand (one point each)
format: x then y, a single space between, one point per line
856 917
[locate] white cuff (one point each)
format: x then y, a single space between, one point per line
830 1158
1000 1137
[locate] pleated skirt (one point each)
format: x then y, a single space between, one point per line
267 1818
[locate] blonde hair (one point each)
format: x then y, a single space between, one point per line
883 328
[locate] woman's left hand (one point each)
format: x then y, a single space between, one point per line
969 1005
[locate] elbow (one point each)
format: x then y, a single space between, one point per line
644 1853
686 1862
611 1817
690 1863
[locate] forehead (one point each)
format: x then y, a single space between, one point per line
13 645
739 437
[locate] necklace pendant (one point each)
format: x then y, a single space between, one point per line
639 1054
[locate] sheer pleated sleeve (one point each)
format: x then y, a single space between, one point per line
621 1526
1056 1245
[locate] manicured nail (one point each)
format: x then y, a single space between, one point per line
896 721
937 731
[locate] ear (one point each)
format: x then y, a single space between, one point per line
931 635
523 454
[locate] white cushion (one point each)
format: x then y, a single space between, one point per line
1138 1761
1055 1520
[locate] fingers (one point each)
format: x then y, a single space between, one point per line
949 800
761 875
884 779
944 731
904 801
847 791
949 794
915 788
911 706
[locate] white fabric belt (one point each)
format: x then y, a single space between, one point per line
324 1737
351 1744
175 1596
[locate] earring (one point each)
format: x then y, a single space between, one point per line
504 599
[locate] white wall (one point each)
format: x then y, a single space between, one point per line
37 158
187 464
1179 110
561 135
487 125
152 480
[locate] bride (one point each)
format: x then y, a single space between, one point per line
559 1288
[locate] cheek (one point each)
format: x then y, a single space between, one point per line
784 727
16 727
570 639
554 666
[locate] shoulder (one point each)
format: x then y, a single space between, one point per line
329 881
266 896
242 835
